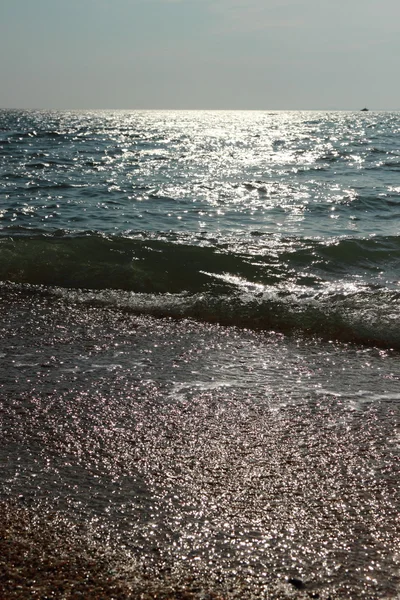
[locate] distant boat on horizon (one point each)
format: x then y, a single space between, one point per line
364 109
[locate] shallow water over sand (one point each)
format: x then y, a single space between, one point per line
244 460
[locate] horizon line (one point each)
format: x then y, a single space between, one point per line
202 109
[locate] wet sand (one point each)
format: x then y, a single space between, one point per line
149 458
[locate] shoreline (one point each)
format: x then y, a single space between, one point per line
203 461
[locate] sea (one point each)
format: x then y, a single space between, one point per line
199 354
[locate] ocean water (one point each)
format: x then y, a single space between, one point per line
199 357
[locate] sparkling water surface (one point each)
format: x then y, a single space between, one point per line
199 368
287 173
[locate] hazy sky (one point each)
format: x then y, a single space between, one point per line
222 54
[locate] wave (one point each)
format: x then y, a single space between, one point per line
299 288
365 317
175 264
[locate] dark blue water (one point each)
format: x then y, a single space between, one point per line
273 214
289 173
199 334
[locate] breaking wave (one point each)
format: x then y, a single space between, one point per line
312 287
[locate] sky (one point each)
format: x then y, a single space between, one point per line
200 54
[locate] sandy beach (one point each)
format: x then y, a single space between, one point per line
130 470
